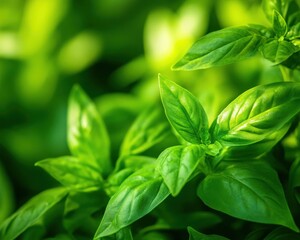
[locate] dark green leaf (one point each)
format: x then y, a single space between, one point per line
250 191
74 173
281 6
30 213
278 51
137 196
184 112
87 136
222 47
257 113
148 129
282 234
194 235
294 178
177 164
279 24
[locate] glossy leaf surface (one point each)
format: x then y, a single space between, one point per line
87 135
222 47
177 164
148 129
250 191
184 112
257 113
30 213
138 195
73 173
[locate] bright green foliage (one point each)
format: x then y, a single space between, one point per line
269 6
194 235
87 136
148 130
278 51
184 112
30 213
136 197
73 173
257 113
255 190
279 24
222 47
177 164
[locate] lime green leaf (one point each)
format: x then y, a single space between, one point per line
184 112
137 196
30 213
73 173
123 234
222 47
194 235
278 51
87 135
250 191
177 164
149 129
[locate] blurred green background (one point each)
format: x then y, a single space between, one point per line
114 49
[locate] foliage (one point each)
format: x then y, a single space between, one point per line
200 163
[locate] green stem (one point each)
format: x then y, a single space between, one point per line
287 74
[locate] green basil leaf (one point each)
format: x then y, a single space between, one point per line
222 47
281 6
30 213
87 135
123 234
137 196
279 24
6 197
282 234
73 173
250 191
177 164
257 234
257 113
184 112
257 149
278 51
194 235
149 129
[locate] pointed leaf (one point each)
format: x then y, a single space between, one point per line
148 130
278 51
73 173
257 113
184 112
30 213
87 136
250 191
137 196
279 24
177 164
281 6
222 47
